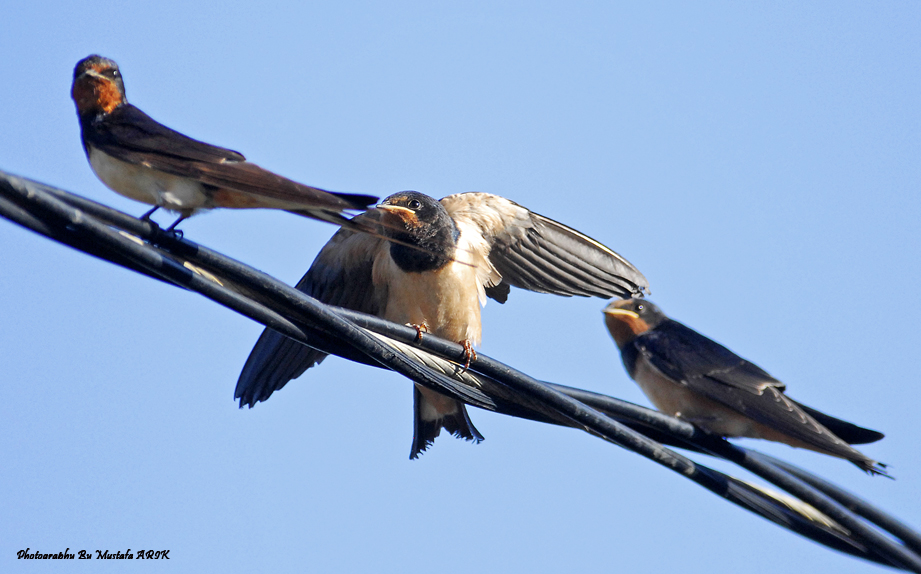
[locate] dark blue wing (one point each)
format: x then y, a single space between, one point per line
683 354
712 370
341 275
130 135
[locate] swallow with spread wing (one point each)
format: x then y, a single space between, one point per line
687 375
441 262
148 162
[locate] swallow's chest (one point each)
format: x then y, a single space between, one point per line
446 300
147 185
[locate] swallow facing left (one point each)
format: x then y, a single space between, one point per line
688 375
432 264
148 162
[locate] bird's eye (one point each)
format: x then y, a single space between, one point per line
640 308
414 204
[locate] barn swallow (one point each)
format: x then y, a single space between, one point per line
687 375
433 265
146 161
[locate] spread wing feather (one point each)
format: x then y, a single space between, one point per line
533 252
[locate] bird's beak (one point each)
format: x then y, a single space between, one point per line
400 215
614 309
89 72
394 208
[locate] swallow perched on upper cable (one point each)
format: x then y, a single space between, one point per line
433 266
146 161
687 375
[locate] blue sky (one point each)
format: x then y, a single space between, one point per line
758 162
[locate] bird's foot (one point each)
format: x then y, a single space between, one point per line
172 228
146 216
423 328
469 354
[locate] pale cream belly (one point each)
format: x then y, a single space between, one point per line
148 185
446 300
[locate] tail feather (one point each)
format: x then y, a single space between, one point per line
356 200
872 467
848 432
431 413
326 215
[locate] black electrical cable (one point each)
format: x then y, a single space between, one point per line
83 224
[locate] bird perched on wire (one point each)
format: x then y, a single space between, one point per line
146 161
433 266
687 375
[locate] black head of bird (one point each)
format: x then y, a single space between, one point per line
98 87
627 318
426 234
